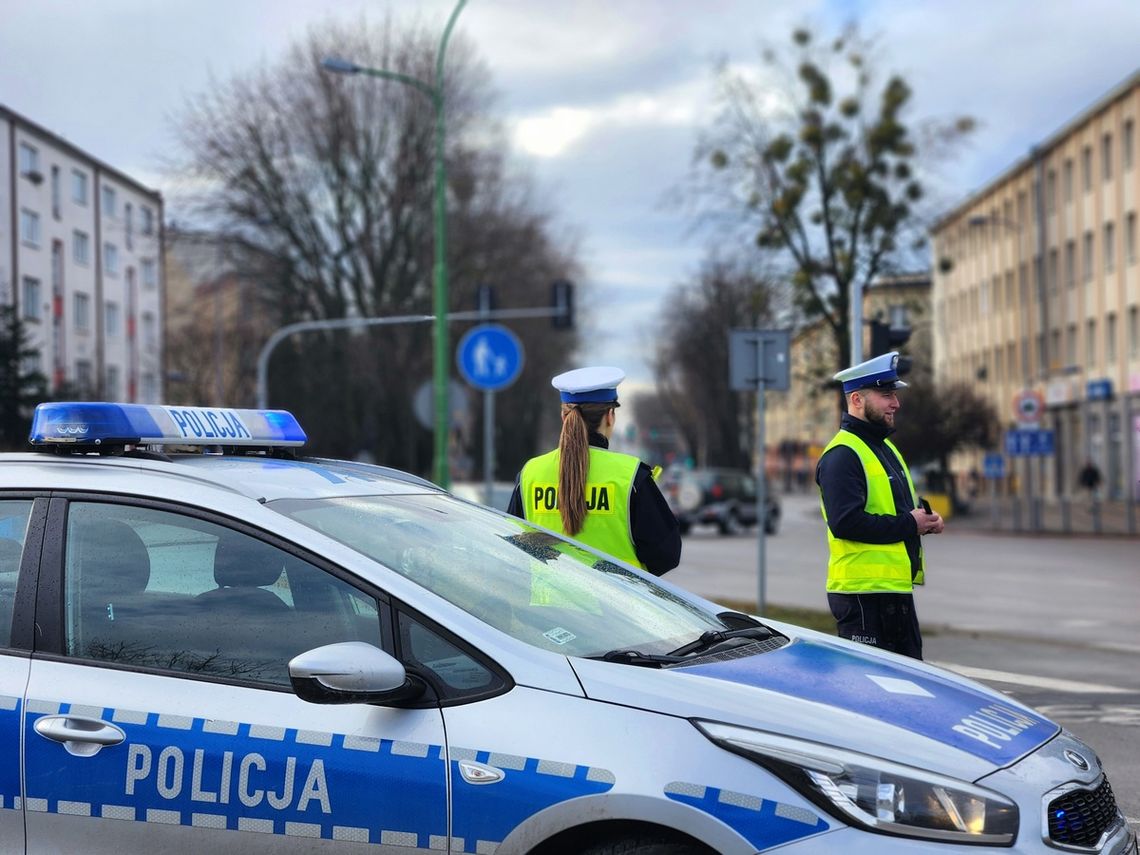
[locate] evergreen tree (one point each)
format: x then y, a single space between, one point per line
20 389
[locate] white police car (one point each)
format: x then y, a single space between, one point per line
257 652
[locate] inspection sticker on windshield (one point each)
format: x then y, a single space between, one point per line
559 635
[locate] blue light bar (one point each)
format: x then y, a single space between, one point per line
98 424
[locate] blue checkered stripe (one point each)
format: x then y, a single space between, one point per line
762 822
209 773
9 749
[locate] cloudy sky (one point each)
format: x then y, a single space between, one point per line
603 99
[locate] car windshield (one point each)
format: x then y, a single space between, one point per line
523 581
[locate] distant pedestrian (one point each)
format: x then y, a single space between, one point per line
1089 479
874 517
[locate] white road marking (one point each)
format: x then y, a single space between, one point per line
1072 686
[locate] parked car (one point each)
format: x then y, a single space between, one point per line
725 498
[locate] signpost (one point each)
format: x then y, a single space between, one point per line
993 467
1031 442
490 357
758 359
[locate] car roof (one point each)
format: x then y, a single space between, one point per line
259 477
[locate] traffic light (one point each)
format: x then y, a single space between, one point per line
562 301
885 338
485 297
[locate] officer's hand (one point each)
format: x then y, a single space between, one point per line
928 523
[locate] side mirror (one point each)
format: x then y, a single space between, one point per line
352 672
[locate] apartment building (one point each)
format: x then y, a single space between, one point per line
81 260
1037 288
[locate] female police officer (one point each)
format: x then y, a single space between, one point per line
582 489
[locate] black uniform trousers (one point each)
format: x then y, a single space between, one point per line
887 621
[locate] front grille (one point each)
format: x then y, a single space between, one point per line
1080 817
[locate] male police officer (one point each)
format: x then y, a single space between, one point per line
873 516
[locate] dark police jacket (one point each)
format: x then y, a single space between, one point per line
656 536
843 485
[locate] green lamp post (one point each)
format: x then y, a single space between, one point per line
441 362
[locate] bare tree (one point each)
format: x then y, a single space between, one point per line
331 178
822 170
691 363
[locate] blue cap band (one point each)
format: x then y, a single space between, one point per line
594 396
870 380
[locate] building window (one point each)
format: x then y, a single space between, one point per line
1071 346
149 272
1133 333
1090 345
1130 238
80 247
29 227
55 192
31 363
112 383
111 319
1009 289
146 217
84 377
1086 168
1042 354
995 288
128 215
149 388
30 162
1070 264
1054 271
108 201
1126 143
149 331
1010 358
998 372
79 187
1109 247
31 299
1067 180
1051 191
1106 157
82 305
110 259
1087 257
1110 339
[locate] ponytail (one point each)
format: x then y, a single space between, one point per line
574 461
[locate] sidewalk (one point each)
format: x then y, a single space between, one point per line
1077 516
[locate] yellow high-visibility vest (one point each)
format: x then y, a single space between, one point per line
609 486
855 567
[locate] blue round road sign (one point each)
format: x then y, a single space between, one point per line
490 357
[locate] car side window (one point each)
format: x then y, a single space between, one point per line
154 589
459 674
13 528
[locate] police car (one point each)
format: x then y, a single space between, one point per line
238 648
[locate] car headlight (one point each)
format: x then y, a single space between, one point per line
876 794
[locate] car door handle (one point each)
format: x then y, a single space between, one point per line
81 736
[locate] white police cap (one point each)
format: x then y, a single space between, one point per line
881 372
594 385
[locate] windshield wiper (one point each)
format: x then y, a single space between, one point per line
714 637
636 657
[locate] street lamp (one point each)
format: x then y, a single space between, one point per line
440 473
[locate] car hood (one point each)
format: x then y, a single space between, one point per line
840 694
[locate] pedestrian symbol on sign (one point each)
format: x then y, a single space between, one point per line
489 357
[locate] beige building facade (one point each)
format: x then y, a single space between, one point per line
1036 296
81 260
